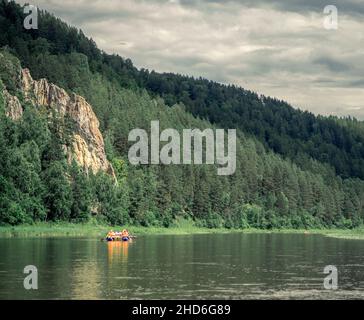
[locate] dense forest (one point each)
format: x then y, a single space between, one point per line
294 169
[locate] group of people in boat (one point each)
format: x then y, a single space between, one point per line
114 235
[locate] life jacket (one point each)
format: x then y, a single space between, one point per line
125 233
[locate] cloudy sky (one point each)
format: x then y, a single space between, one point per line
276 48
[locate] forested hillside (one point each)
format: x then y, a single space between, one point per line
287 131
293 169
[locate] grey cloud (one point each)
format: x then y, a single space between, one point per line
277 48
332 64
356 83
349 7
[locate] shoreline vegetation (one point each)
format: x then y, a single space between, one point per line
59 230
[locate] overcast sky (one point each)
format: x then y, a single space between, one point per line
276 48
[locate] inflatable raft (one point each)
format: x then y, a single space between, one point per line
117 238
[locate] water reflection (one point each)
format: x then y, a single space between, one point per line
117 251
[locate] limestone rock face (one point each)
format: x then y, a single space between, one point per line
13 108
88 144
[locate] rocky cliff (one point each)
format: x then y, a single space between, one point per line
13 108
88 144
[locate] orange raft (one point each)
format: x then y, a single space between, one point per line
118 236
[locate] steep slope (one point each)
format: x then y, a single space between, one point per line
292 133
266 191
53 164
88 147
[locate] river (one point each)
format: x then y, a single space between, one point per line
210 266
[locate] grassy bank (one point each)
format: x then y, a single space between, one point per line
183 228
357 233
97 230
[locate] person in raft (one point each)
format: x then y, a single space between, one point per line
110 236
125 235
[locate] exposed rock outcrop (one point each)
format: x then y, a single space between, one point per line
88 144
13 108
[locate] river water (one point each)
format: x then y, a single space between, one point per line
211 266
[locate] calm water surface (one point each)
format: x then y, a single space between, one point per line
225 266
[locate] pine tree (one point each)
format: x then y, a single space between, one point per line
81 194
58 194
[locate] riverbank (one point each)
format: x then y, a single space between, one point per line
183 228
99 230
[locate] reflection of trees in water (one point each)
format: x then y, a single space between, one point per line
86 274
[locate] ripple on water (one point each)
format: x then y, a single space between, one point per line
204 263
128 278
